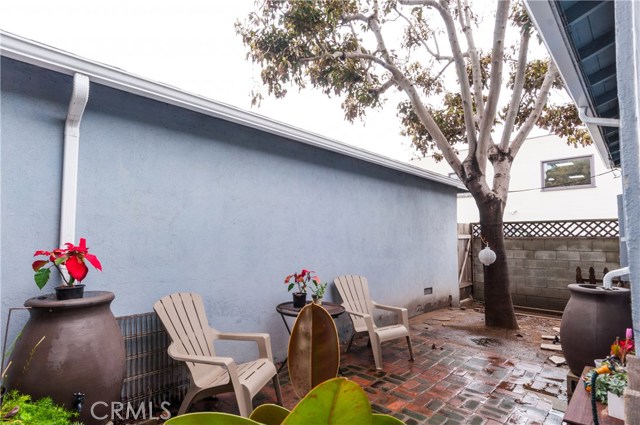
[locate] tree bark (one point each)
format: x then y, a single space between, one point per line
497 287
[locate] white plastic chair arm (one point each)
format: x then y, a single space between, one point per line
368 320
262 339
403 313
226 362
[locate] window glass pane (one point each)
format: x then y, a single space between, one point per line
567 172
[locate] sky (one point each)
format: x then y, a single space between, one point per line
191 45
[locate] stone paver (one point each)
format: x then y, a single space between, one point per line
446 384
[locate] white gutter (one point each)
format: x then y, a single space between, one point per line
68 204
48 57
549 25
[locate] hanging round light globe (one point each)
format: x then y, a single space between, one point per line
487 256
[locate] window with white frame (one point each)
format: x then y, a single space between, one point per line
568 173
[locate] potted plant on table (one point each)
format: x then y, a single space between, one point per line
302 280
608 381
72 259
317 291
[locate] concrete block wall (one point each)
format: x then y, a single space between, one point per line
541 269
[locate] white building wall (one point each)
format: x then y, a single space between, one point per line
528 202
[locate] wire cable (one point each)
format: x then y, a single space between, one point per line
540 188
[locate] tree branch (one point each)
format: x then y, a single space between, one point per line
362 61
423 114
444 68
465 90
428 3
374 24
518 86
501 177
552 74
476 69
386 86
357 17
497 55
436 54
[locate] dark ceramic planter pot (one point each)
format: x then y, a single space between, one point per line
67 347
69 292
299 299
591 321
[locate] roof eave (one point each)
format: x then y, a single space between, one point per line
549 26
24 50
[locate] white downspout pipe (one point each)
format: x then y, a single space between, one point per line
607 279
605 122
68 204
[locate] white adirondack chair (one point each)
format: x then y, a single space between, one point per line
192 341
354 291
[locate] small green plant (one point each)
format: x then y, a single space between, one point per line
608 380
318 289
617 382
19 409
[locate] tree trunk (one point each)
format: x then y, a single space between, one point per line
497 289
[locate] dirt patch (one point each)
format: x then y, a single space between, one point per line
466 327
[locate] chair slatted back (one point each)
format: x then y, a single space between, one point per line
354 291
185 320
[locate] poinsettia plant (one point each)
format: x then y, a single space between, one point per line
72 257
611 376
621 347
302 280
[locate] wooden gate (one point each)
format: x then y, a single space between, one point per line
465 265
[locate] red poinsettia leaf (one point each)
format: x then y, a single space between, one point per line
316 279
628 344
93 260
286 279
37 265
56 253
41 253
83 245
77 268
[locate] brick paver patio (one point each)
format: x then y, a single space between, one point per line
449 383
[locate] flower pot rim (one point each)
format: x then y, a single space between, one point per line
90 298
587 288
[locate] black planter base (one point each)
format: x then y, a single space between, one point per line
69 292
299 299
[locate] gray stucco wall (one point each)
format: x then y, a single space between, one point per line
170 200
